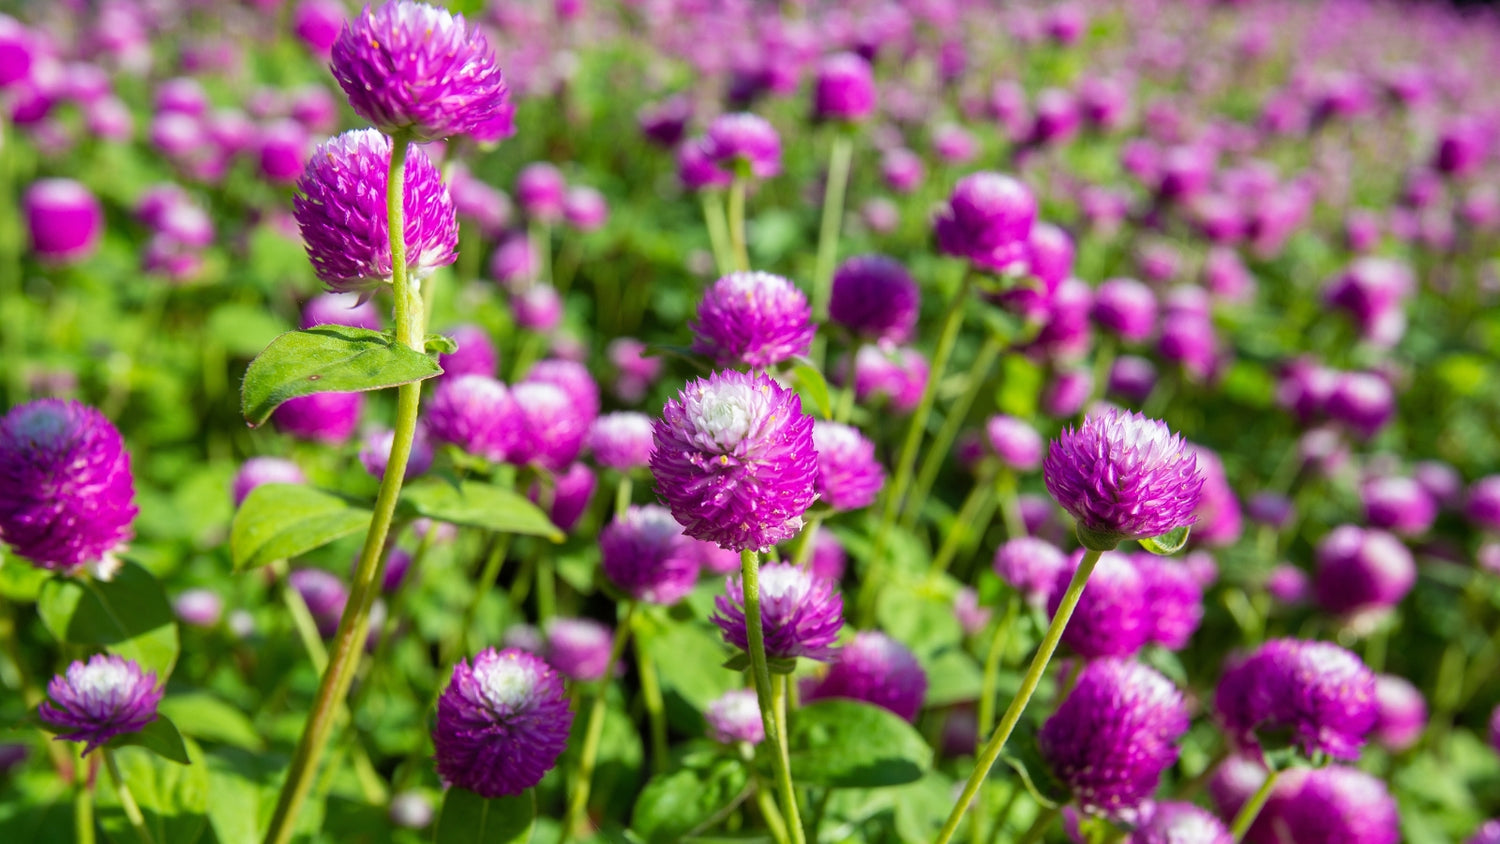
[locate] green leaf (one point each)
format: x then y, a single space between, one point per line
850 744
468 818
19 580
811 383
243 330
1022 754
173 798
244 786
673 805
328 359
128 616
160 737
282 521
439 344
1168 543
205 717
478 504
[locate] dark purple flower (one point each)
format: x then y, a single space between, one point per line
18 49
1398 504
875 298
67 496
876 669
553 426
477 414
1123 476
1030 566
1114 735
1363 401
281 150
1125 307
572 490
578 647
622 440
1271 509
1332 805
501 723
844 88
987 221
375 452
1181 823
1113 618
1369 289
646 554
1482 503
316 23
735 716
1401 713
325 596
801 615
663 123
697 169
1174 601
320 417
753 319
735 140
1362 571
64 219
1315 695
1017 443
415 69
1489 833
734 460
95 701
264 470
849 475
341 210
475 355
1132 378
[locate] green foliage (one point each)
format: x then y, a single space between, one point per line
468 818
285 521
328 359
127 616
477 504
850 744
689 799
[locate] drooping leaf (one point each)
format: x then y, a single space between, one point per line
160 737
673 805
477 504
128 616
468 818
851 744
328 359
207 718
282 521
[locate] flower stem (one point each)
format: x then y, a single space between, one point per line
802 552
761 675
980 498
739 251
623 493
492 564
718 230
83 801
1033 678
656 712
942 444
127 800
1252 807
999 645
348 643
828 232
578 802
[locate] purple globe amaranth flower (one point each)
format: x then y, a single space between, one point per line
828 557
1049 262
1289 585
1219 521
1123 476
63 218
198 607
1125 307
1398 504
844 88
320 417
67 496
573 379
341 209
1113 618
752 319
585 208
875 669
1440 481
1400 714
1174 599
875 298
735 461
1362 401
95 701
514 265
578 647
902 169
1332 805
622 440
1181 823
1132 378
477 414
849 475
339 309
663 123
1314 695
282 150
538 308
744 140
1482 503
1030 566
801 615
1362 572
1016 441
317 23
572 490
1067 392
645 553
553 426
325 596
1369 289
475 354
697 169
734 717
1489 833
1271 509
1114 735
415 70
375 452
264 470
501 723
1494 732
541 190
987 221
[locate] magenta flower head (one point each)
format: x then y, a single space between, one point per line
1489 833
1314 695
1181 823
1113 617
414 69
67 496
320 417
1016 442
97 700
501 723
897 377
748 141
64 219
800 614
1174 601
198 607
341 210
1332 805
1399 504
475 354
553 429
752 319
1482 503
573 379
696 168
988 221
828 557
1114 735
1362 401
875 298
1030 566
375 452
1123 476
735 717
325 596
876 669
572 490
1400 714
578 647
622 440
264 470
844 88
542 191
646 555
477 414
735 460
585 208
1127 308
849 475
1362 571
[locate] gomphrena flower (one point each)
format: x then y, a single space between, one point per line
264 470
1030 566
1113 618
877 669
477 414
1174 598
1181 823
734 460
64 219
198 607
572 490
735 716
475 354
622 440
800 614
1482 503
1489 833
1017 443
1362 572
95 701
573 379
1315 695
875 298
67 496
1114 735
320 417
645 554
501 723
578 647
1123 476
1400 712
553 426
849 475
325 596
341 209
375 452
987 221
752 319
744 140
409 67
339 309
1332 805
844 88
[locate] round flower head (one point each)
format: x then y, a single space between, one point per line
877 669
1114 735
585 208
325 596
411 810
645 554
572 490
735 717
64 219
538 308
95 701
198 607
875 298
1401 712
1123 476
541 190
501 723
735 462
1332 805
578 647
1113 617
1362 571
1289 585
67 496
475 355
1320 696
264 470
1489 833
477 414
1174 600
572 378
554 427
1482 503
736 140
1399 504
988 221
800 614
1015 441
514 264
320 417
1181 823
1219 521
341 209
1363 401
696 168
752 319
849 476
898 376
715 560
844 88
1030 566
829 560
415 69
622 440
1125 307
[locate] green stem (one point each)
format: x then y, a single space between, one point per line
1252 808
349 642
828 232
846 398
127 800
1029 683
623 493
1044 819
760 673
737 248
83 801
1010 503
541 247
763 799
942 444
999 645
718 231
981 496
578 801
802 552
656 711
487 576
